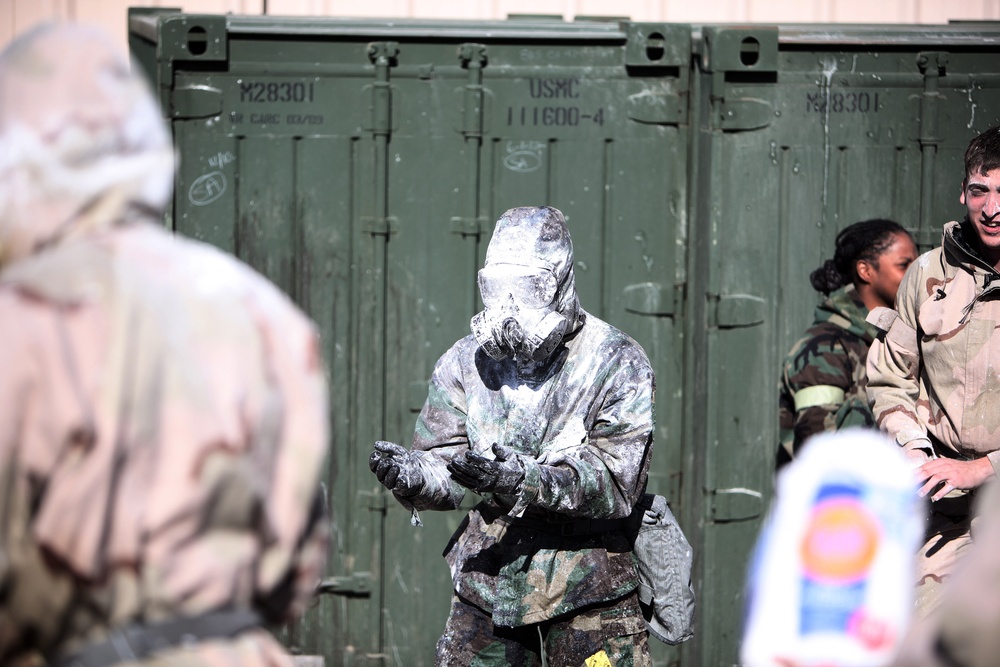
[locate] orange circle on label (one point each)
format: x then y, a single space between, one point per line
841 541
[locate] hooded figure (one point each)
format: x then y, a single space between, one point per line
162 406
547 413
527 286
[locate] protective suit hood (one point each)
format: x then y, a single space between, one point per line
538 235
81 139
528 286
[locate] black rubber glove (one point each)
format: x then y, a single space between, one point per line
397 468
474 471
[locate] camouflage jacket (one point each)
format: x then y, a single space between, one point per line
583 429
163 425
823 377
932 369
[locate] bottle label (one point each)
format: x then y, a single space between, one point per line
837 552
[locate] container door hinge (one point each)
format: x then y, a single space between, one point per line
741 114
736 504
374 501
383 55
471 226
472 123
195 102
732 311
192 38
657 107
744 49
473 59
746 52
356 584
658 56
654 299
933 65
380 226
657 46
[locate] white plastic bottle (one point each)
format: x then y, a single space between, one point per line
831 578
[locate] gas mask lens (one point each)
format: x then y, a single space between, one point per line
530 287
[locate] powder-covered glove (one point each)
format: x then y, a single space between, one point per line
397 468
502 475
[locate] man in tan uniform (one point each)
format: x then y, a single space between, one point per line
162 407
933 371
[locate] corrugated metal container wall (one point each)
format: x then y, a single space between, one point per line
361 166
802 130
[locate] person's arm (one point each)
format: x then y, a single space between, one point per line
816 377
600 473
14 499
292 565
440 435
30 434
893 368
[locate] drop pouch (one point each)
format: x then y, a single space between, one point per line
664 558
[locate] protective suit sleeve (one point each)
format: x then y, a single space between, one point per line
602 472
440 435
893 368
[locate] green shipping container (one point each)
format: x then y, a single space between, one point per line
704 172
801 131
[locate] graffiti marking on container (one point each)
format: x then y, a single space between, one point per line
524 157
221 159
206 189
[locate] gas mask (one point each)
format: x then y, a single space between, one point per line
519 319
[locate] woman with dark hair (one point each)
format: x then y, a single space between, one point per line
823 377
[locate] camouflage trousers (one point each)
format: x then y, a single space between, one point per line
947 536
607 635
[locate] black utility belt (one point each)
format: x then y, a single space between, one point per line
136 641
944 451
567 528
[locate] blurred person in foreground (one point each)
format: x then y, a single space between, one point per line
162 407
547 413
964 629
830 582
932 371
823 377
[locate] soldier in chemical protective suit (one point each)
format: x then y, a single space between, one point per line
547 413
162 407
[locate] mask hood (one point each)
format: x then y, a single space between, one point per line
81 139
538 236
533 246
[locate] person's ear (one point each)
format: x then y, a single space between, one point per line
865 271
961 196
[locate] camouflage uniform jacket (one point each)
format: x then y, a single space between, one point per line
162 431
823 377
932 374
583 429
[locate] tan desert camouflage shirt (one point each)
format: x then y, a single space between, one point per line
933 369
162 431
163 410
